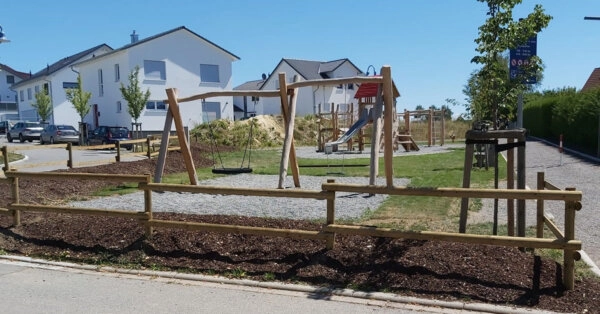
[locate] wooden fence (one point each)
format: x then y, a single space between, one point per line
564 241
148 150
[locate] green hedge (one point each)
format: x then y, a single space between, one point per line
573 114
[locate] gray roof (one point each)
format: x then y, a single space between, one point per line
141 41
19 74
312 70
250 85
61 64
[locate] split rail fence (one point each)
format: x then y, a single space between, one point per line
564 240
148 150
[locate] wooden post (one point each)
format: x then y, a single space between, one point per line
164 146
388 95
289 149
183 141
70 152
14 183
521 186
118 148
430 126
406 121
464 203
5 155
569 255
148 208
510 184
375 136
540 207
331 218
443 128
148 145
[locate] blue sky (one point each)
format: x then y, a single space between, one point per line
428 43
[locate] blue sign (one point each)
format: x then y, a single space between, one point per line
520 57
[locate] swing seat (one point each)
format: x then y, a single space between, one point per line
231 170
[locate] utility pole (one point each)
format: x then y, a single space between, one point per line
595 18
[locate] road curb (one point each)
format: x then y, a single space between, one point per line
375 296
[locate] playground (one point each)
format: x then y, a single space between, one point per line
329 249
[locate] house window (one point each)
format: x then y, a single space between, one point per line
209 73
211 111
351 86
37 89
100 83
277 83
46 88
117 73
21 95
119 107
10 79
29 94
155 70
157 105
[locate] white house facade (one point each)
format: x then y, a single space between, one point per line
54 80
311 98
178 58
8 97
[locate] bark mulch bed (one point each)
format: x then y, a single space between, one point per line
426 269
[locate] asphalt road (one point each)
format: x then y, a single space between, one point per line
37 288
39 158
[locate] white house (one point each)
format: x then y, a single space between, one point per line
8 98
178 58
309 98
245 106
54 79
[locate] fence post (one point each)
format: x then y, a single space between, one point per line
331 217
118 148
70 150
148 142
569 255
148 207
5 155
540 206
14 184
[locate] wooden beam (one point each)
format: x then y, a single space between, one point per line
260 231
77 210
162 152
77 176
376 135
289 149
216 190
455 237
388 103
183 142
456 192
255 93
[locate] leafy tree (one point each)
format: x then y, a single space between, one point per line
133 94
43 105
491 91
79 98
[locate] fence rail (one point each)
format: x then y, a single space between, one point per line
564 240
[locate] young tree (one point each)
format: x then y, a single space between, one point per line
491 87
79 98
43 105
136 99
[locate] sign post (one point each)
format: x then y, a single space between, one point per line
520 57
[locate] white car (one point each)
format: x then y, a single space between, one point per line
25 131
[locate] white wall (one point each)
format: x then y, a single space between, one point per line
182 53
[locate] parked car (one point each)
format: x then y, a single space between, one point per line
59 133
24 131
5 126
109 135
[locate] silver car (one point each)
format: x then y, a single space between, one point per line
59 133
24 131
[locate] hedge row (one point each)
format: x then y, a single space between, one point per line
573 114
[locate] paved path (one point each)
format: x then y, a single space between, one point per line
569 170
